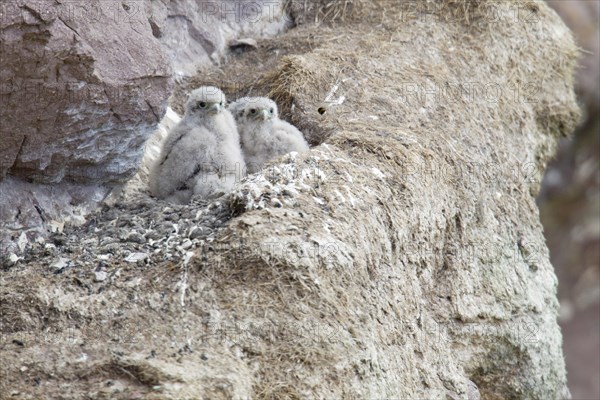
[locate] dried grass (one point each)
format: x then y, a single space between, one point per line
376 126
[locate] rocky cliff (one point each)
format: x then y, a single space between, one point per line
85 84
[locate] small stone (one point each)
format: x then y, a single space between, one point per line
244 42
165 228
187 243
172 217
135 257
56 226
154 235
110 215
112 248
276 203
60 264
135 238
22 242
13 259
198 233
100 276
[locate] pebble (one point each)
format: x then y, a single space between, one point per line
100 276
135 238
187 243
153 235
61 263
135 257
140 230
197 233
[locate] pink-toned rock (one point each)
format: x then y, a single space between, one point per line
83 86
198 32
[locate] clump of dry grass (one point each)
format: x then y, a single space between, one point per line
293 75
335 12
320 11
465 10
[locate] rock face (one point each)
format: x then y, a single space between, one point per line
84 84
401 258
197 33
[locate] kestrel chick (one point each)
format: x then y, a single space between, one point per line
263 135
201 155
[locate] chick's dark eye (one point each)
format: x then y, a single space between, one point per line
253 111
271 111
202 104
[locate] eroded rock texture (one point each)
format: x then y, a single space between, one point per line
84 85
197 33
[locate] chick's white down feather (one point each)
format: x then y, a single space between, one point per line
201 155
263 136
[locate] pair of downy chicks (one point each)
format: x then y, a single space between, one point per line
214 146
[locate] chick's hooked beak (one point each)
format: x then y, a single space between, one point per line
215 107
265 114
